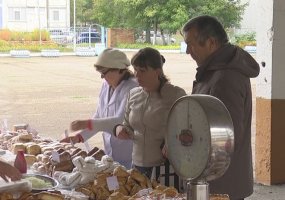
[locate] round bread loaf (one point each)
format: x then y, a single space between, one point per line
34 149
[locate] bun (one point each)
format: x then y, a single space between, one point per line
49 196
64 156
135 174
18 147
170 192
33 149
30 159
120 172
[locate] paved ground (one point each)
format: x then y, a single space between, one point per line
48 93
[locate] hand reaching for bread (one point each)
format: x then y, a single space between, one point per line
78 125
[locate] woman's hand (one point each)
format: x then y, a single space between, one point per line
79 125
164 151
72 139
121 133
8 171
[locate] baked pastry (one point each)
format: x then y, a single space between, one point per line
49 196
123 190
80 153
102 193
74 151
118 196
94 150
64 156
135 174
102 179
136 188
160 187
65 166
98 154
25 137
18 147
86 191
30 159
170 192
34 149
119 171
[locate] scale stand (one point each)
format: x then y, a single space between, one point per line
198 190
199 141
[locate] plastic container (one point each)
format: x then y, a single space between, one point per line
20 162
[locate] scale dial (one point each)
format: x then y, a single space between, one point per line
188 138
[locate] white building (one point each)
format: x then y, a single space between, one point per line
27 15
249 19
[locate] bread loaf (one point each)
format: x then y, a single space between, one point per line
65 166
49 196
30 159
80 153
98 154
34 149
94 150
18 147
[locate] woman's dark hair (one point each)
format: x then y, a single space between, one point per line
128 73
206 26
149 57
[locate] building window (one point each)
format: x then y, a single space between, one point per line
56 15
17 14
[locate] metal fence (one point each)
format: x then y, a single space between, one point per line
80 37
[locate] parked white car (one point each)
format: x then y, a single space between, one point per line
58 36
159 41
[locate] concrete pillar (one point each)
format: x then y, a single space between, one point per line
270 93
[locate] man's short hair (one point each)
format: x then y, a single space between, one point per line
206 26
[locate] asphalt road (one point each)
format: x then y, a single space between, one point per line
49 93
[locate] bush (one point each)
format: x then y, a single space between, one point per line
143 45
247 39
8 35
5 34
33 46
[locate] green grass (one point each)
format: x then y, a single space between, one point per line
143 45
33 46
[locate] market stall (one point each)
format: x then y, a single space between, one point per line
57 171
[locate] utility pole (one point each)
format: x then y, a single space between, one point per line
47 6
74 26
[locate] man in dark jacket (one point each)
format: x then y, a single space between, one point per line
224 71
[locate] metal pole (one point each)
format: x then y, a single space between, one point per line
39 14
74 31
47 5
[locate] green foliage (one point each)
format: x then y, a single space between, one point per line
166 16
6 46
8 35
246 39
143 45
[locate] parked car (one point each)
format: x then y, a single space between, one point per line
58 36
85 37
159 41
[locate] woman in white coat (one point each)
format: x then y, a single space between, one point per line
118 81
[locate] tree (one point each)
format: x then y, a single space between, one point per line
166 16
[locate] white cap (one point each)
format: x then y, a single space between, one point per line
113 58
